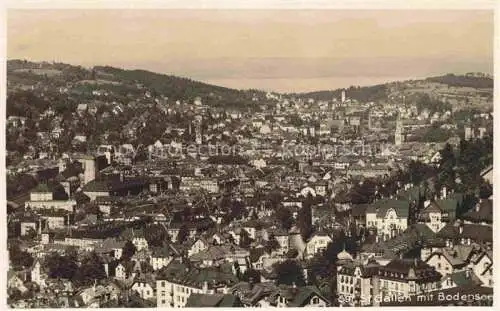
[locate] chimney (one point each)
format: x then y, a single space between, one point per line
205 287
121 176
478 205
467 273
461 229
401 255
376 239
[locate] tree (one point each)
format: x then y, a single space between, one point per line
363 193
59 266
237 269
272 245
485 190
19 259
285 217
156 235
183 234
92 269
447 164
245 240
304 218
251 275
320 268
290 272
274 198
128 250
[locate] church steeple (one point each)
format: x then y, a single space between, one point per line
398 135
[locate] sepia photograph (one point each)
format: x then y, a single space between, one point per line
251 158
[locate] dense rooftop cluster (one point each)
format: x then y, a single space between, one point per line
134 189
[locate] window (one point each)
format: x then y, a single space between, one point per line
315 300
439 265
162 283
147 293
163 302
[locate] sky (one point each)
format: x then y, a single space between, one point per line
280 50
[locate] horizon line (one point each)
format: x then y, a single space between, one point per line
208 82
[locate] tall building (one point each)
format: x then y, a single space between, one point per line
343 96
469 133
198 123
398 135
89 168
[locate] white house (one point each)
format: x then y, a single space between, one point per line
389 217
36 274
483 268
145 288
199 245
120 272
317 244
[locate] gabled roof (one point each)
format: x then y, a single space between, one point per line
299 296
484 214
196 300
184 273
464 278
41 188
161 252
256 253
215 252
475 232
401 207
433 207
448 205
250 295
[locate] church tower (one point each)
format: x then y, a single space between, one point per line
199 138
398 135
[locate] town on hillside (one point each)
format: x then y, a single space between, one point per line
127 188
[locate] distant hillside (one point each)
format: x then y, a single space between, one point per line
173 86
363 94
477 82
178 88
380 92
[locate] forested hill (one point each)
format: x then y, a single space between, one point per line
468 80
380 92
22 72
359 93
176 87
